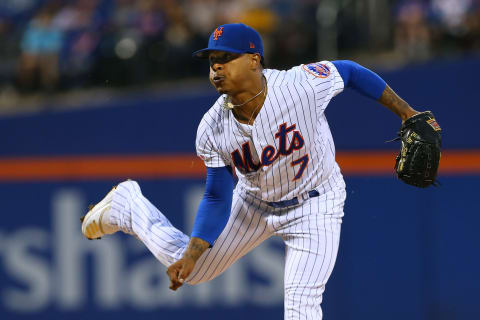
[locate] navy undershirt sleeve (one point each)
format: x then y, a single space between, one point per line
360 78
214 209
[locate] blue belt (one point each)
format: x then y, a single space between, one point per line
293 201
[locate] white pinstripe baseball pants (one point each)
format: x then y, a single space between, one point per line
311 232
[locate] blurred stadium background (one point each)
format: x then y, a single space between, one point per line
96 91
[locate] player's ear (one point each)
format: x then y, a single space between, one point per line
255 61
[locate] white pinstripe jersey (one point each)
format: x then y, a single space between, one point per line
289 148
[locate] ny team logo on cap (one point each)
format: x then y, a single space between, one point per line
217 33
238 38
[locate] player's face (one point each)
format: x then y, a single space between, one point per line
229 71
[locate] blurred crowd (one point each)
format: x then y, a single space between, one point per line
54 45
436 27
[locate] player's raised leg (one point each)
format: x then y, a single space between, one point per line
166 242
312 241
126 209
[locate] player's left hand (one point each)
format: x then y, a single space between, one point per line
179 271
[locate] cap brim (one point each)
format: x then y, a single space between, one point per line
203 53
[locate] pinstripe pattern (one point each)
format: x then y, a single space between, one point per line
310 231
294 98
287 152
134 213
312 240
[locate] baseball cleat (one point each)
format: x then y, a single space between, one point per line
92 222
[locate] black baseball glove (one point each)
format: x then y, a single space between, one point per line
418 160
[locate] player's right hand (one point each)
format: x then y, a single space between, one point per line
179 271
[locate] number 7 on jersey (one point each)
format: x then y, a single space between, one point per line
303 161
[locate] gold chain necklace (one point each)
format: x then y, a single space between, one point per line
259 105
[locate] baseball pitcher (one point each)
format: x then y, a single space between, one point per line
270 127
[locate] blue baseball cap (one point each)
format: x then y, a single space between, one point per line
233 37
